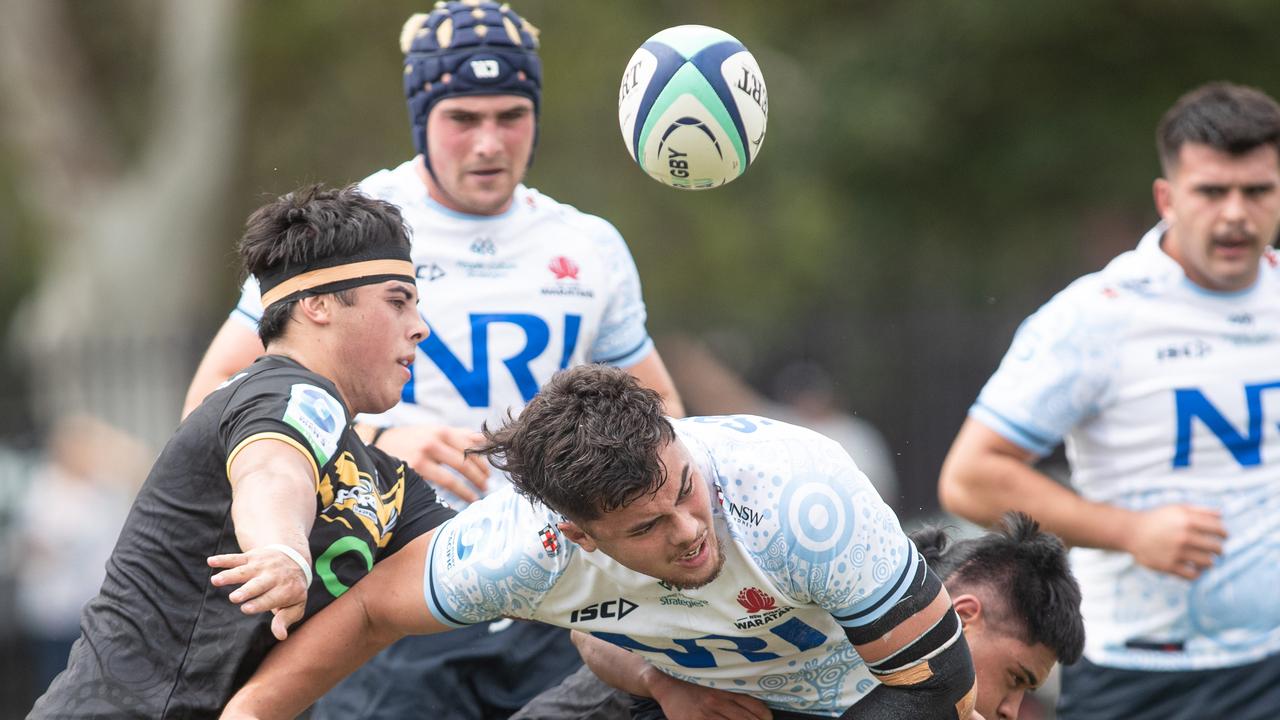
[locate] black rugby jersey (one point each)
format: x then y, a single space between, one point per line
160 641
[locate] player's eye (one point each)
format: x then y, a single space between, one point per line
644 530
1213 192
1256 191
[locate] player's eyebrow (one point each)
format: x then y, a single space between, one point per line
409 294
686 482
686 485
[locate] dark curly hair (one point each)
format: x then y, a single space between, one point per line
1023 566
587 443
311 224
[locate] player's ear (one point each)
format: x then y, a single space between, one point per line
577 535
969 608
1162 191
317 308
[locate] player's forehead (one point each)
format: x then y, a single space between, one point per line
483 104
390 288
1199 164
676 478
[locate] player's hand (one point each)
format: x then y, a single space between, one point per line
430 449
680 699
1182 540
268 580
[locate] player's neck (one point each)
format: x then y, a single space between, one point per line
315 358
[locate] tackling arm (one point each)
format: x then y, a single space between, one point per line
384 606
631 673
917 651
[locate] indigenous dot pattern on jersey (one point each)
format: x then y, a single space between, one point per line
693 107
476 47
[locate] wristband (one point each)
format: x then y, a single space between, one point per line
293 555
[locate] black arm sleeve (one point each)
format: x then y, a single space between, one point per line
930 677
947 695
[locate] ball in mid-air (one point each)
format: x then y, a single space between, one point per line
693 107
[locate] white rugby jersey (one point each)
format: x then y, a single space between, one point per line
1164 393
809 546
510 299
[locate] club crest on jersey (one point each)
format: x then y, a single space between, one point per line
763 608
550 542
563 268
566 272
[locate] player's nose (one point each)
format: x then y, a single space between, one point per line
686 529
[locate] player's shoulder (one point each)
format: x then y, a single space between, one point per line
302 399
544 207
505 529
745 429
1269 270
759 456
396 185
1109 298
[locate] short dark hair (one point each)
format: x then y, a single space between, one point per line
1230 118
1026 568
311 224
587 443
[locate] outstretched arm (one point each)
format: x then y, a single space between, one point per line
383 607
986 475
273 505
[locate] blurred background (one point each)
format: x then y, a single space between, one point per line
933 171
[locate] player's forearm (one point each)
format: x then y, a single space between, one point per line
617 667
983 486
297 672
272 507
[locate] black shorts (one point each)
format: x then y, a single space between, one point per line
1243 692
467 674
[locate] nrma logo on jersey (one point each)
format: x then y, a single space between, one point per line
472 382
1244 445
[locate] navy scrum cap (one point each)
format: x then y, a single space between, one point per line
472 47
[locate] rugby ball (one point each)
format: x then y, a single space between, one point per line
693 107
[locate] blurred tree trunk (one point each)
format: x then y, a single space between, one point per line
127 266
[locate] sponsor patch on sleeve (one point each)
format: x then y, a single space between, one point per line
318 416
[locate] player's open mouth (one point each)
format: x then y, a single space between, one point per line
1233 246
695 556
406 362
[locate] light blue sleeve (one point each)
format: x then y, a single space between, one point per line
623 340
1057 370
248 310
498 557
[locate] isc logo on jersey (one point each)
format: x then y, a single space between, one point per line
616 609
693 107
